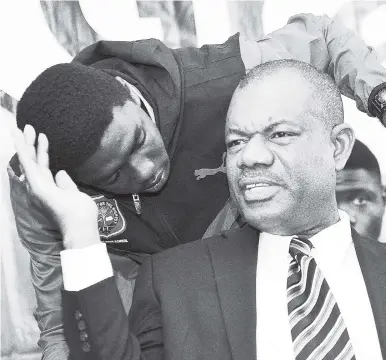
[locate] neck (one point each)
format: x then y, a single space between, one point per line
316 216
312 229
306 224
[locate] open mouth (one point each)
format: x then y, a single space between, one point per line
257 185
258 189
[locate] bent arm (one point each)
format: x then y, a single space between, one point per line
109 333
326 44
38 235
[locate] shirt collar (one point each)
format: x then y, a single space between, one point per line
332 242
137 96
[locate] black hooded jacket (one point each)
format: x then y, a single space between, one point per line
189 90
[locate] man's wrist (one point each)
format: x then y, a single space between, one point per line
85 267
377 102
80 238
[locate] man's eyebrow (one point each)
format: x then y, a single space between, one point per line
353 191
351 183
137 134
349 189
270 127
236 131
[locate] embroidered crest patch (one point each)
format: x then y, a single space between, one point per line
110 219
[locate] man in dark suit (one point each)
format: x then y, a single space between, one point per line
295 283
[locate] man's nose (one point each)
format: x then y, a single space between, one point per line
144 169
256 152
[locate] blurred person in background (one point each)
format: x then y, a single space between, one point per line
360 193
140 128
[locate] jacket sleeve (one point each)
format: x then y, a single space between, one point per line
39 236
326 44
109 332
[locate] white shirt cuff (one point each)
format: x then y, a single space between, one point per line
85 267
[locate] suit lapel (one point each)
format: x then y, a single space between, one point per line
372 260
234 261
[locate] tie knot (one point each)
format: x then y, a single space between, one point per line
300 246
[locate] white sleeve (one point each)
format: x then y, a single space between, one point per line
85 267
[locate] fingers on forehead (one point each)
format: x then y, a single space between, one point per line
42 151
24 153
29 135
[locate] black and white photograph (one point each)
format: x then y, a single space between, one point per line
193 180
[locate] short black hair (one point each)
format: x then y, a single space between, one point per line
73 105
326 95
362 158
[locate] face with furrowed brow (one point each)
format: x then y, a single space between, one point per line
131 157
282 157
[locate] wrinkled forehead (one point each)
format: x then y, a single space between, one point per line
284 95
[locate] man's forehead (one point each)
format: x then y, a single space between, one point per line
269 98
267 115
351 177
282 81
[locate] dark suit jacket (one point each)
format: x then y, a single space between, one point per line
197 301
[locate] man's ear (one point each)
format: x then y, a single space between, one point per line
384 194
343 138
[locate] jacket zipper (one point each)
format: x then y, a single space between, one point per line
137 204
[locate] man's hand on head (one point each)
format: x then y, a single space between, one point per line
75 212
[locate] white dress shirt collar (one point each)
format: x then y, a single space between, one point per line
334 241
325 239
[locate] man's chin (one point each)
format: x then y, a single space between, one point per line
269 219
156 188
159 184
268 205
373 233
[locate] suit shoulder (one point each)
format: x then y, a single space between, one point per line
368 244
188 249
200 246
373 245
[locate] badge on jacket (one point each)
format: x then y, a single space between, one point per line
110 219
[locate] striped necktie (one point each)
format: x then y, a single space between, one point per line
317 326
